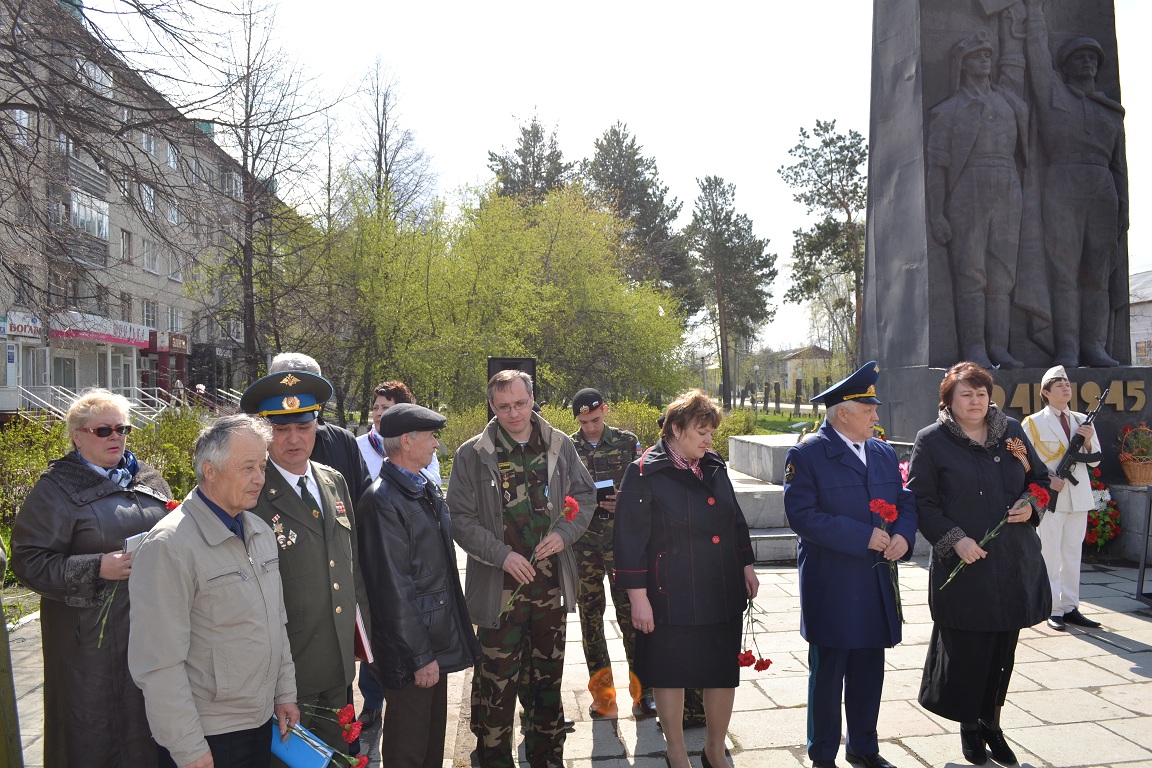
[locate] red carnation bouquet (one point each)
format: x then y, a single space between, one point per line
571 509
350 729
747 658
888 514
1037 496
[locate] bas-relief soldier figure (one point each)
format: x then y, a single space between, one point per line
1085 189
977 140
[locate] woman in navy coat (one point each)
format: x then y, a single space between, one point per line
684 554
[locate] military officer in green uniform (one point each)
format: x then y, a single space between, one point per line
508 495
310 512
606 452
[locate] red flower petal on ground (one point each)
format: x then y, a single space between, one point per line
763 664
346 715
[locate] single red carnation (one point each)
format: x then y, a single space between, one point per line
571 508
1039 493
763 664
171 505
1127 428
352 731
362 762
886 510
1096 472
746 659
1091 537
346 715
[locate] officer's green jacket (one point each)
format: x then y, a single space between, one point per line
610 457
477 508
321 577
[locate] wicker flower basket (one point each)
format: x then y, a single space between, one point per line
1136 455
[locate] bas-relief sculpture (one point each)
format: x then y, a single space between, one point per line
1026 189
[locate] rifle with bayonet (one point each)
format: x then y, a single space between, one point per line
1073 455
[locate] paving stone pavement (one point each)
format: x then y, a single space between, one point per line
1078 698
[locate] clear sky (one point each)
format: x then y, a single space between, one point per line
716 89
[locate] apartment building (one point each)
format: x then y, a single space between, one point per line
115 212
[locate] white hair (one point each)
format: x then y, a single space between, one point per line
294 361
834 410
213 442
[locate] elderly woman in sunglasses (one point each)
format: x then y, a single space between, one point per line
68 544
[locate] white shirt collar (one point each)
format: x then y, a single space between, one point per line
860 454
292 478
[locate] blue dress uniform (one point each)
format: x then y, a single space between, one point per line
848 610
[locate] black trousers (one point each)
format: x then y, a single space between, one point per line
237 749
414 724
966 673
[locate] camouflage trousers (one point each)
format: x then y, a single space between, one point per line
595 561
527 649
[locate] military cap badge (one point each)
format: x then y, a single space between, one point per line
289 381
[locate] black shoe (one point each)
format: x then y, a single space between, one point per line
972 744
1056 621
569 725
1001 752
824 764
1075 617
869 761
644 708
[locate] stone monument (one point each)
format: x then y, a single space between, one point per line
998 202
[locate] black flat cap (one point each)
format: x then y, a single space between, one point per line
403 418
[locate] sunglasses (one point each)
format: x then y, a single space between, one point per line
123 429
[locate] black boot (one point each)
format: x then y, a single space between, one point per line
972 744
994 737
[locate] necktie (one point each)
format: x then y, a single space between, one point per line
1064 423
237 528
307 498
859 449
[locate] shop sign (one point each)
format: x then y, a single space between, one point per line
78 325
20 323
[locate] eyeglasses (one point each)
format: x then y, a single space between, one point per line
507 408
123 429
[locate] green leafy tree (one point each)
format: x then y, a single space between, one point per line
534 168
828 179
735 266
629 183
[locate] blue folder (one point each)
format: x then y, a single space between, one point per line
302 750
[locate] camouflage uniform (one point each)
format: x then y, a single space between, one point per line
606 460
529 642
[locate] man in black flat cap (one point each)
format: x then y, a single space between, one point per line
310 512
421 630
849 606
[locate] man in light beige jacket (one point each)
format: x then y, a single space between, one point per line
208 644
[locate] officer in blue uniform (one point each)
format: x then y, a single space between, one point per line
849 608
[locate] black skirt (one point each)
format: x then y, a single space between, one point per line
966 673
687 656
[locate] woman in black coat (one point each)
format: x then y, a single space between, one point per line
68 545
684 554
970 469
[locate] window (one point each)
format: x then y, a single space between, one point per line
20 118
66 145
148 142
126 246
231 183
173 215
89 215
25 292
173 156
148 312
176 272
63 288
126 306
236 330
175 320
94 76
148 198
150 256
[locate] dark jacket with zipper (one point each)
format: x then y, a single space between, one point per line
683 539
409 564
